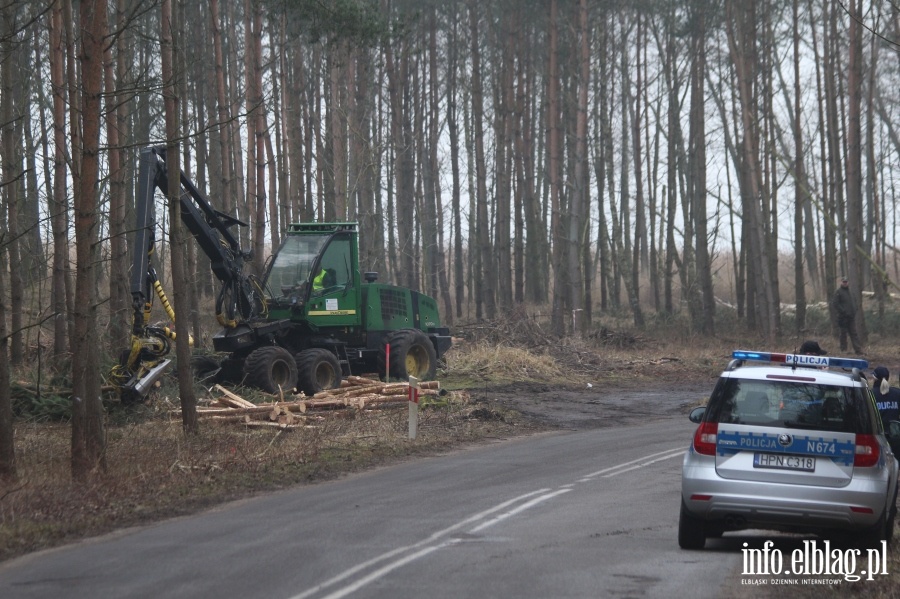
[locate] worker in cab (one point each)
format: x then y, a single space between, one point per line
319 281
324 280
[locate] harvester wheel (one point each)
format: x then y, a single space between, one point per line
412 354
270 367
317 370
206 368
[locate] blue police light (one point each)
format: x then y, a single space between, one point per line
848 363
799 360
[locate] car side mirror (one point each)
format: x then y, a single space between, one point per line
696 415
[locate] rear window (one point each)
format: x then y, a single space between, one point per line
797 405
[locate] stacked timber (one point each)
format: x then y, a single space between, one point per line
354 392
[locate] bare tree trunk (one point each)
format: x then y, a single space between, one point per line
832 169
518 109
601 128
279 191
577 207
88 434
453 132
557 317
535 225
371 254
294 105
58 204
119 296
502 263
238 192
801 194
33 264
671 190
622 227
822 274
875 216
404 165
740 30
854 166
484 285
224 114
338 60
171 72
8 471
473 266
428 141
639 256
770 209
697 174
256 205
11 178
437 260
312 109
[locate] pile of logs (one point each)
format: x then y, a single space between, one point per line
354 392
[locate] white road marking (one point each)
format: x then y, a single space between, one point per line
431 544
521 508
640 462
437 535
350 588
677 454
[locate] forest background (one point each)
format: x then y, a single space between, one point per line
677 159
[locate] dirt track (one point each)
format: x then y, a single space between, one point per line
597 406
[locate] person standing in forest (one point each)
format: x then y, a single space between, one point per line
845 310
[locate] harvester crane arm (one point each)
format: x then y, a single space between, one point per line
240 298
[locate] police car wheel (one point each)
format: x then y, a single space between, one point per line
690 531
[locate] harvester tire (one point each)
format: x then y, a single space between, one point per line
271 367
317 370
206 368
412 354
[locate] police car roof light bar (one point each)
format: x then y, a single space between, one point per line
799 360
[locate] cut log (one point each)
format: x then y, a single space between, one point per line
362 390
227 419
359 380
298 406
260 424
233 399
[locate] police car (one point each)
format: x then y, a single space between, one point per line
792 443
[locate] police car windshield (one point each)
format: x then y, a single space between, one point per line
785 404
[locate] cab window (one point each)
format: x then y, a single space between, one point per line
334 269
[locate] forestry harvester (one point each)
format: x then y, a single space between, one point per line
312 319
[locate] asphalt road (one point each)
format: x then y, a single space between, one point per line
570 514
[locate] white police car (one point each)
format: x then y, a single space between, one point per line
793 443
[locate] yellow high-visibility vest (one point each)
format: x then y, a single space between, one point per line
319 281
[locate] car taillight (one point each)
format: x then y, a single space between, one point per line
705 438
867 451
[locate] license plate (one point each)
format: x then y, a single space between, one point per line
784 462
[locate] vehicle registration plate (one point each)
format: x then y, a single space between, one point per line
784 462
